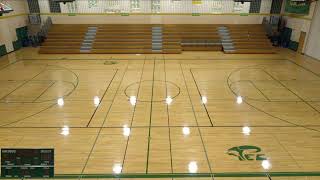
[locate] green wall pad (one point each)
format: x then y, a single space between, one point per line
276 6
255 6
3 50
17 45
293 45
22 34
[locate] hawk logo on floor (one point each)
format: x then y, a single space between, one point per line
247 153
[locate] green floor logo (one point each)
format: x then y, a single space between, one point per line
247 153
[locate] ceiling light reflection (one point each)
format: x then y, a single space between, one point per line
169 100
193 167
266 164
96 101
133 100
239 100
117 168
204 99
186 130
246 130
65 131
126 131
60 102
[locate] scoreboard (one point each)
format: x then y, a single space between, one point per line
27 163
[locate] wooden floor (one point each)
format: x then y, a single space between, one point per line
194 115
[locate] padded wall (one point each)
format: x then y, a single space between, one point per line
313 44
10 22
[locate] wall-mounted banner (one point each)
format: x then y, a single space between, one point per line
195 2
124 14
297 7
92 3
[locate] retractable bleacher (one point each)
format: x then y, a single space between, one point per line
195 37
249 39
145 39
64 39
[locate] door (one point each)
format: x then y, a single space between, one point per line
301 41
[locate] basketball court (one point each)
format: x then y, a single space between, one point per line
202 114
160 116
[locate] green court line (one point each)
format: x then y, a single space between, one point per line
171 59
182 175
264 95
197 123
133 115
103 95
120 127
42 93
168 113
24 83
105 118
150 120
185 175
203 104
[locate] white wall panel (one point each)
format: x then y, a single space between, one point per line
265 6
8 26
313 44
145 6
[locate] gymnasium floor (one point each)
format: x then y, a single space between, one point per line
196 115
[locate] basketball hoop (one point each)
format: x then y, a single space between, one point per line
4 7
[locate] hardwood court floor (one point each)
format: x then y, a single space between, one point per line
196 115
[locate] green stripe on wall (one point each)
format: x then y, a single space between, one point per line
12 16
3 50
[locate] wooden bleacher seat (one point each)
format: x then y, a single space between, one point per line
249 39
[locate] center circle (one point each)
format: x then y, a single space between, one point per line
155 91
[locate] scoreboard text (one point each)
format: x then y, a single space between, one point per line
27 163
